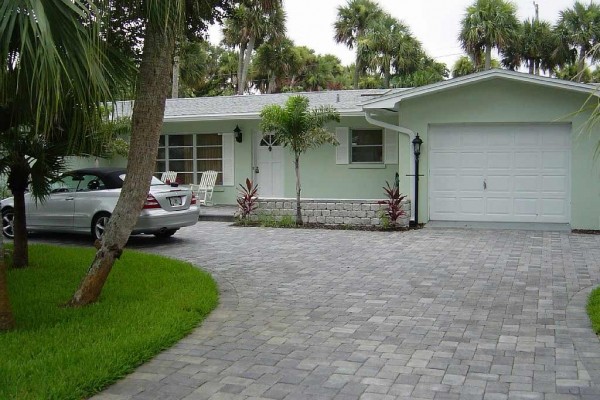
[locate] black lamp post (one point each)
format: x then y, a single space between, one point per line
417 142
238 134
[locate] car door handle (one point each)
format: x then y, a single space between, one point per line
69 198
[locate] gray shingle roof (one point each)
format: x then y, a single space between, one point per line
345 101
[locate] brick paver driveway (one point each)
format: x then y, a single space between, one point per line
432 314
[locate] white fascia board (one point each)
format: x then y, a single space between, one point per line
244 116
391 101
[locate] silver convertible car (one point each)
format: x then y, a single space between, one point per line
83 200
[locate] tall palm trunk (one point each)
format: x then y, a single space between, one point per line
580 64
7 320
298 209
356 69
246 64
239 88
488 57
386 76
147 122
531 65
271 85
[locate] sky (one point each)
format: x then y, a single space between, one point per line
434 22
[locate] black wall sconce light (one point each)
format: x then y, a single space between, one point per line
238 134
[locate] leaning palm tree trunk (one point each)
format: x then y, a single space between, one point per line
488 57
298 188
148 111
7 320
240 86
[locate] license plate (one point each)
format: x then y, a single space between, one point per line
175 201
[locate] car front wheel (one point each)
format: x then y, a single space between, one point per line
8 215
99 225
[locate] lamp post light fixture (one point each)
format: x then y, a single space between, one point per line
237 134
417 142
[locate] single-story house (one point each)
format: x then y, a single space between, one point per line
498 146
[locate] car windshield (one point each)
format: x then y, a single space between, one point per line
154 182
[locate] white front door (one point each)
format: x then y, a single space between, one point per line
500 172
269 168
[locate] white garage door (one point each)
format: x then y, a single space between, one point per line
505 173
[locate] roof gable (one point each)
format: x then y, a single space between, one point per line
390 100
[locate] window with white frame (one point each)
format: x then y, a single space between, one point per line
209 155
367 146
190 155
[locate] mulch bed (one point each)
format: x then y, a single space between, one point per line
312 225
587 231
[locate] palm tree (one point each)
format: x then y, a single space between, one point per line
388 43
251 23
299 128
580 28
273 60
462 66
488 24
352 21
164 23
48 104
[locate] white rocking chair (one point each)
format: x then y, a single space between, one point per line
169 177
204 190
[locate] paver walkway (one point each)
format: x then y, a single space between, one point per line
429 314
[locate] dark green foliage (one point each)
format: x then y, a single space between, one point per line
393 204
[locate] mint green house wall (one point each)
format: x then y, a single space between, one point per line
503 101
320 176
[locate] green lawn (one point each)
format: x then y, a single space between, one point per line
148 303
593 309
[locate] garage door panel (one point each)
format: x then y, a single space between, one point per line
502 183
555 160
445 205
446 141
500 160
554 184
553 207
526 169
472 139
527 138
444 182
445 160
525 207
500 138
555 138
472 159
471 183
472 206
527 160
499 206
526 183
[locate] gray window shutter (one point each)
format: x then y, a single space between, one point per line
342 152
228 160
390 147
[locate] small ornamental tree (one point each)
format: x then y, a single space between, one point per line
300 129
247 199
393 208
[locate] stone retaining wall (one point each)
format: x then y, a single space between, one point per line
330 212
